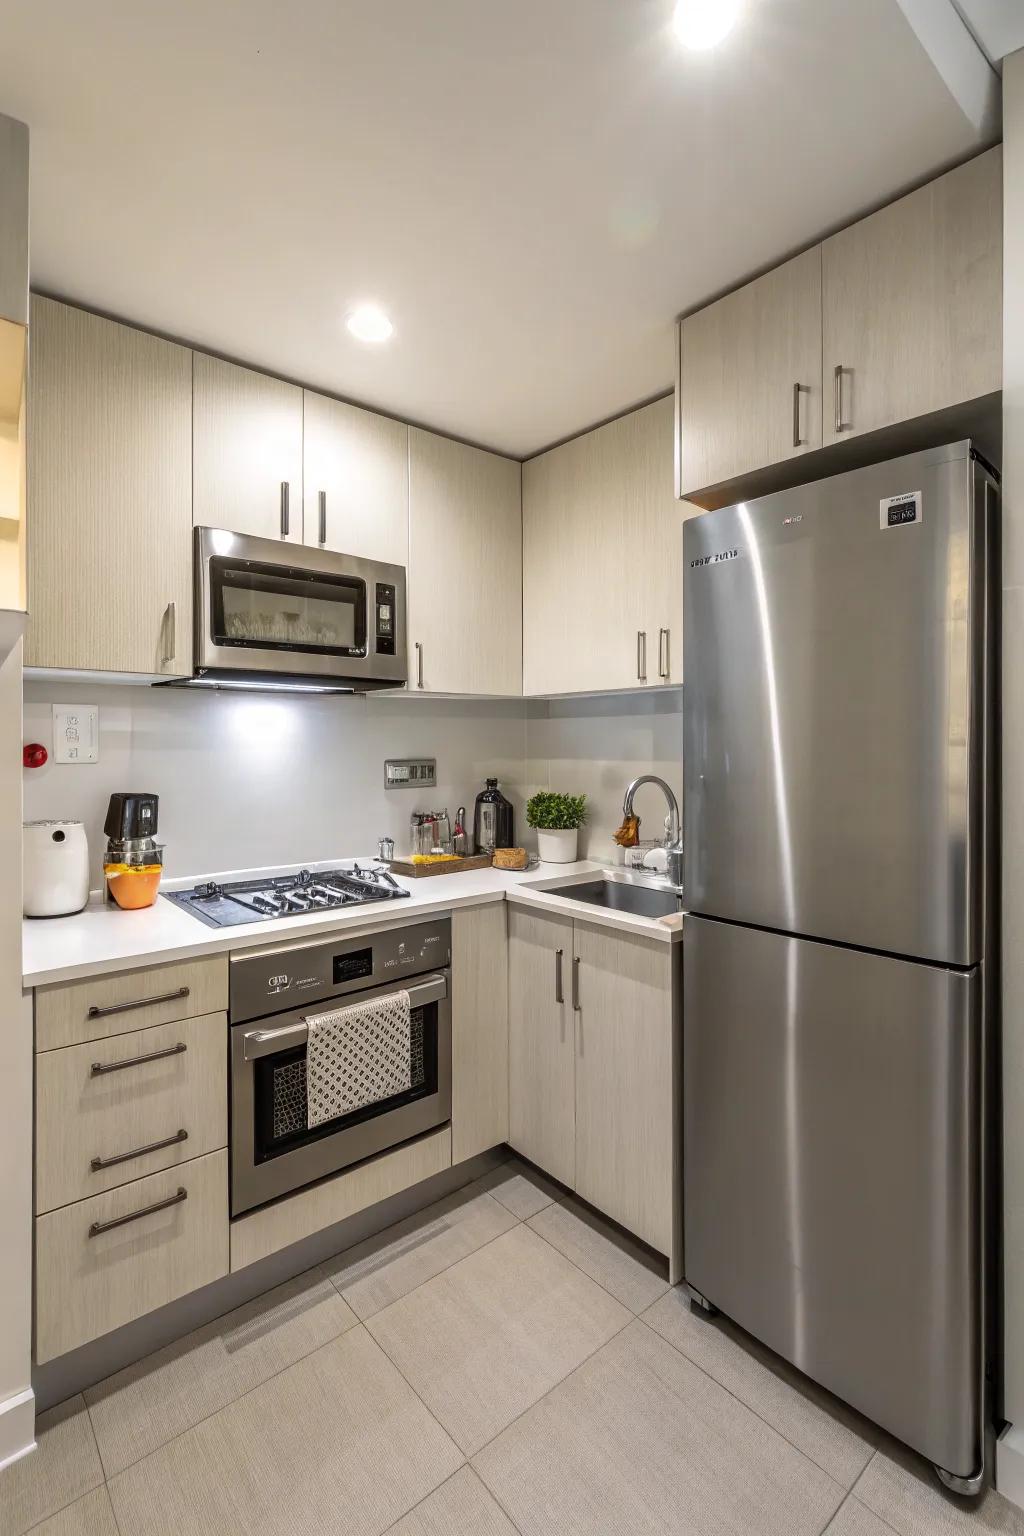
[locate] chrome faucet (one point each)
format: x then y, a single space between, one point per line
674 832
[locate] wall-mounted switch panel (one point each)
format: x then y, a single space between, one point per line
76 733
410 772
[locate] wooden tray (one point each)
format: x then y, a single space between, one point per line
449 867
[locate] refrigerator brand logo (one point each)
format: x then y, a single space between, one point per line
716 559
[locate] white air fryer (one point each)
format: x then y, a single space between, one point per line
56 868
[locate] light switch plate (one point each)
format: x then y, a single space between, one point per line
410 772
76 733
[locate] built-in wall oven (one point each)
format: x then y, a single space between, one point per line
294 615
273 1150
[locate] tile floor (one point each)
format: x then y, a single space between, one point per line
503 1362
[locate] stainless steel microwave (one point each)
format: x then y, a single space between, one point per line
276 615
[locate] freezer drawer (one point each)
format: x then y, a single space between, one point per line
834 729
832 1170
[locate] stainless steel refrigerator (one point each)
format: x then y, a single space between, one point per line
839 956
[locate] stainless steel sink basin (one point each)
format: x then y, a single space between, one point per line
643 900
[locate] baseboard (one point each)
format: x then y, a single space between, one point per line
1010 1464
17 1427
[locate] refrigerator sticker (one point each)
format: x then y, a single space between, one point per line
899 511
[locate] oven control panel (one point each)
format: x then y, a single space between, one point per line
275 980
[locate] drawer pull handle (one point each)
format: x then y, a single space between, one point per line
99 1227
99 1163
101 1068
140 1002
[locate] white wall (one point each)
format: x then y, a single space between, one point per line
16 1406
595 746
248 780
1013 748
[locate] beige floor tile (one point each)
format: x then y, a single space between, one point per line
521 1189
338 1443
839 1440
90 1516
390 1265
640 1440
633 1275
150 1403
460 1507
64 1465
853 1519
904 1491
492 1334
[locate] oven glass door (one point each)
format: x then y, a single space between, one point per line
285 608
279 1092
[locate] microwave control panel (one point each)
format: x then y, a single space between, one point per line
384 611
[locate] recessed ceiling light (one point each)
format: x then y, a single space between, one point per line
369 323
703 23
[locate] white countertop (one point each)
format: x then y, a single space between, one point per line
103 938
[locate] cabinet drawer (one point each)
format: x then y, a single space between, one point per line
69 1013
89 1281
150 1086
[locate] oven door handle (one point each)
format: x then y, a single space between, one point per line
266 1042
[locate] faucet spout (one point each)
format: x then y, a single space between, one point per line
673 839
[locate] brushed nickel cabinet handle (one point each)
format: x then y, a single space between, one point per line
798 390
419 665
323 518
559 996
837 379
170 631
97 1164
641 655
147 1210
101 1068
139 1002
664 665
285 518
576 983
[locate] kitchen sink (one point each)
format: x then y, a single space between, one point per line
643 900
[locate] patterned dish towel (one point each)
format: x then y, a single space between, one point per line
357 1056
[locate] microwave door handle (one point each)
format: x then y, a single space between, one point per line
265 1042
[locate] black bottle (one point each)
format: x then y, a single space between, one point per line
492 820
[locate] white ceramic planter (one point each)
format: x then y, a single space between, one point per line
557 847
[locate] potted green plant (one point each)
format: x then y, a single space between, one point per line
557 820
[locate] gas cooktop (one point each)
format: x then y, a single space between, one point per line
254 901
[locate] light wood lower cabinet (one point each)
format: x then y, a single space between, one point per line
541 1067
71 1012
247 451
109 496
479 1029
112 1110
594 1080
104 1261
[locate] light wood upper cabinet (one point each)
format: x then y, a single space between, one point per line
247 451
750 376
627 1068
465 602
110 496
356 480
541 1048
912 303
602 570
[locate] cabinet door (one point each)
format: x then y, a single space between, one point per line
541 1068
627 1072
465 568
479 1029
356 479
110 496
912 303
588 510
750 377
660 567
247 451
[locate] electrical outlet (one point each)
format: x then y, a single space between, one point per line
76 733
410 772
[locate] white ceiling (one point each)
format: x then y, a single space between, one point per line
533 189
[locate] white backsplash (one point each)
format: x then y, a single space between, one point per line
250 780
